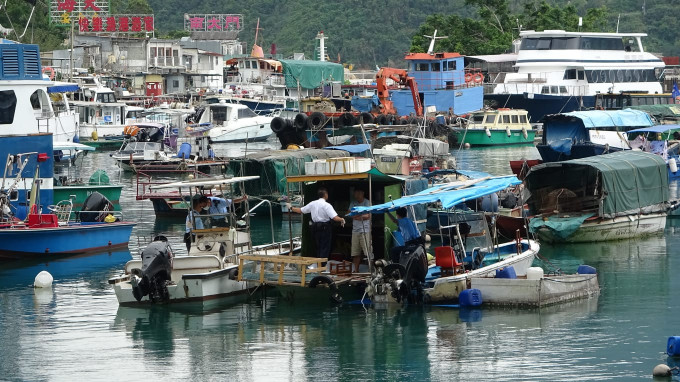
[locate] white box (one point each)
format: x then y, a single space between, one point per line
310 168
362 164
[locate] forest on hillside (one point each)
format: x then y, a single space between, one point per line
370 33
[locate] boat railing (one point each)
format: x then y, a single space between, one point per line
145 181
540 88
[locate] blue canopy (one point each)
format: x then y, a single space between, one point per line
656 129
62 87
449 194
593 119
352 149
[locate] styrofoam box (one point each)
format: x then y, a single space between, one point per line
362 164
310 168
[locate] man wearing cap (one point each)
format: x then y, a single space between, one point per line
322 214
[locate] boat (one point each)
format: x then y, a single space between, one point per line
230 123
582 134
30 225
405 155
77 190
495 127
470 252
614 196
559 71
662 140
209 270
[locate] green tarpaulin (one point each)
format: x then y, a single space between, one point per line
311 74
562 226
660 111
617 184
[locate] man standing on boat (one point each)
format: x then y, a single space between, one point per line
361 230
322 214
219 209
194 220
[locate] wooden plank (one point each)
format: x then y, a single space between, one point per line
261 272
240 270
281 266
304 274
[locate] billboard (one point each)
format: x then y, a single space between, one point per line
116 24
213 26
62 12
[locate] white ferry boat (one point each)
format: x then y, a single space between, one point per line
559 72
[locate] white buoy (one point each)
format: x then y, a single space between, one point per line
467 145
507 130
43 280
428 238
488 132
661 371
673 165
525 133
191 176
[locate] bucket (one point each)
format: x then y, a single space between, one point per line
534 273
506 273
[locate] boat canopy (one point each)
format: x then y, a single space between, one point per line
71 146
448 194
311 74
611 185
656 129
352 149
669 111
63 87
212 182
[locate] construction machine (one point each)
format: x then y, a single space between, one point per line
400 77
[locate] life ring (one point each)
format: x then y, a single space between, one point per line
468 77
49 69
479 78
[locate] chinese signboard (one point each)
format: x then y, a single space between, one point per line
62 12
213 23
116 24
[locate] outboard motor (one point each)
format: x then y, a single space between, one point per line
406 278
152 280
95 208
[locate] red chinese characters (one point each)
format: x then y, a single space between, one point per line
148 23
123 24
66 6
196 23
213 23
111 24
232 20
97 24
136 24
83 24
89 4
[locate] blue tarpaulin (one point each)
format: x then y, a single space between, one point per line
352 149
593 119
449 194
655 129
62 88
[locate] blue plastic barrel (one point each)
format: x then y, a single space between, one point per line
506 273
470 297
586 270
184 151
440 119
673 346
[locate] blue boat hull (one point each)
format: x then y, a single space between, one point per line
540 105
578 151
74 239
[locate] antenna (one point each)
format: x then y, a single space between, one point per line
618 20
433 38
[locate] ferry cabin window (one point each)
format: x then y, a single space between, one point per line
8 105
581 75
506 119
436 67
247 64
452 65
545 90
585 43
620 75
106 98
523 119
563 90
490 119
553 90
515 119
478 119
570 74
219 115
246 113
422 67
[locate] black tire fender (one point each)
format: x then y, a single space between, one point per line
278 125
316 120
335 295
300 122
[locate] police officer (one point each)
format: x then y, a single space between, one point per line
322 215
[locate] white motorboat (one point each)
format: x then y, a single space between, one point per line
230 122
209 270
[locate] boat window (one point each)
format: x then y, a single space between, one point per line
543 44
635 101
581 75
478 118
506 119
515 119
452 65
422 67
106 97
553 90
491 118
523 118
563 90
559 43
570 74
247 64
218 114
545 90
436 67
246 113
628 75
8 105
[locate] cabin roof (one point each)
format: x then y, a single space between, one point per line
431 57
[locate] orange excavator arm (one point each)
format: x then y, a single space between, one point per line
401 77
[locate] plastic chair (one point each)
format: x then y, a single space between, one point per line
445 258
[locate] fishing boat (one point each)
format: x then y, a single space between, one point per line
209 270
607 197
230 122
582 134
662 140
30 225
468 251
499 127
559 71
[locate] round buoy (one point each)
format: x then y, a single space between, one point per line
467 145
191 176
95 136
43 280
661 371
428 238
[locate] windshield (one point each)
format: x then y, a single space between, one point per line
246 113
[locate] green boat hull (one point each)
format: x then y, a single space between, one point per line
104 144
497 138
81 192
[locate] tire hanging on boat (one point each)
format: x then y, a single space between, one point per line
316 120
381 119
278 125
300 122
347 119
335 295
367 118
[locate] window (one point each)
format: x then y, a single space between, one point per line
545 90
558 43
515 119
478 118
219 115
8 105
436 67
553 90
570 74
452 65
506 119
523 119
175 84
247 64
543 44
563 90
581 75
422 67
246 113
491 119
106 97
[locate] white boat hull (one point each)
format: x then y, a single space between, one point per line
620 228
86 131
250 133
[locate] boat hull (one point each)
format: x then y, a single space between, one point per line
620 228
81 192
475 137
74 239
252 133
548 290
538 105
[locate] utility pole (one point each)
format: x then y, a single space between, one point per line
70 63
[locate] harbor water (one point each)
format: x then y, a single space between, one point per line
77 331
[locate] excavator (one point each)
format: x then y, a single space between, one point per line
400 77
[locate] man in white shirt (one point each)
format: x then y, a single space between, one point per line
361 230
322 213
